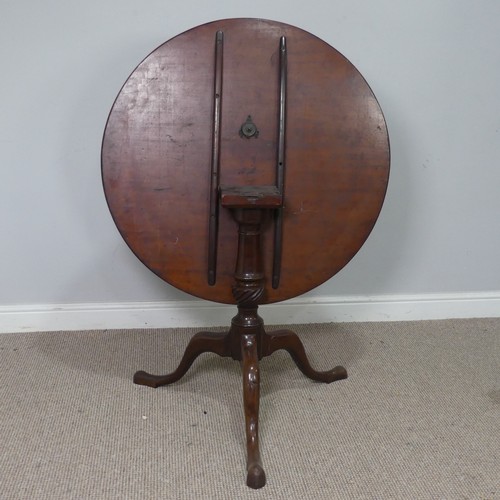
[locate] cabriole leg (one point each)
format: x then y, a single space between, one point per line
256 477
289 341
200 343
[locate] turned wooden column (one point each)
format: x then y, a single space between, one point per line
250 207
248 287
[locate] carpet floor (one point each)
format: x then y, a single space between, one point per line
418 417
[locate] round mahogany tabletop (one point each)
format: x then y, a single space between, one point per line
158 148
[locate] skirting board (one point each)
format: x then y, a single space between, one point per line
197 313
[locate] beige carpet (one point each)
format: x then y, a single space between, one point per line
418 417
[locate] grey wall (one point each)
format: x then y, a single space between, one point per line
433 64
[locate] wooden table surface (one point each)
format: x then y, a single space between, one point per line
157 151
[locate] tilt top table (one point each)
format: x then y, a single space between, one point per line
245 162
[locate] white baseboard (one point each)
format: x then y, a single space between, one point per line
197 313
